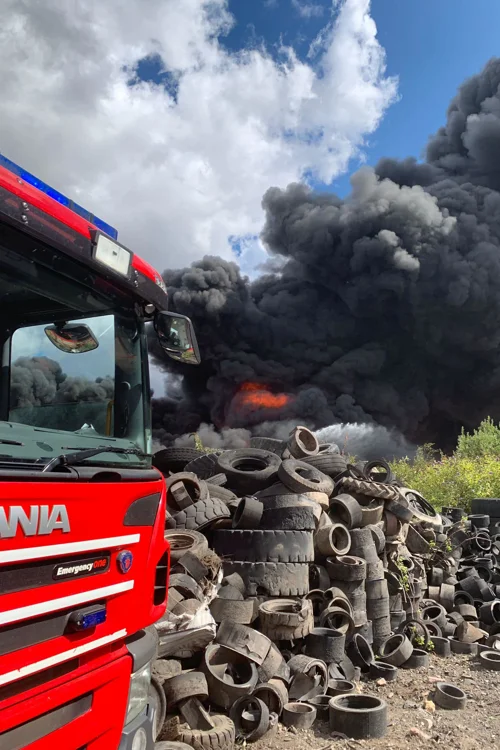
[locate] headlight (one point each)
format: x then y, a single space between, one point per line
138 693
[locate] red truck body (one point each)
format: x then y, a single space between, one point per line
83 560
42 675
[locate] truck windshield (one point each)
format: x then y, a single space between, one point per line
74 370
91 396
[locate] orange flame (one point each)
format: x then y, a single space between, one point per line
258 395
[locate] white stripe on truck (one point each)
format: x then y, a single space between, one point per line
51 661
53 550
52 605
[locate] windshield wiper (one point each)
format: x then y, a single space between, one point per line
69 459
4 441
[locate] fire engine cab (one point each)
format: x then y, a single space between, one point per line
83 560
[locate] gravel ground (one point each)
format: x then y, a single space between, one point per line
414 721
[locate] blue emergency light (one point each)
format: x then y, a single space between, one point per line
87 618
59 197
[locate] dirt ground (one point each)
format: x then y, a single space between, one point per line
476 727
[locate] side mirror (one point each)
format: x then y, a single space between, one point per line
72 338
177 338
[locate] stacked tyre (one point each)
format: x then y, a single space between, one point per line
323 565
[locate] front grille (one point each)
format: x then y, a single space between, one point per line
40 678
161 576
34 631
32 731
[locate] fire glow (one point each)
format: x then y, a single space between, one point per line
255 394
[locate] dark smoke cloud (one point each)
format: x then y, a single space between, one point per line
383 308
74 401
37 381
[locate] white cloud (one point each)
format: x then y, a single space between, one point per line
308 9
178 177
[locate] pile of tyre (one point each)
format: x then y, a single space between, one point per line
331 573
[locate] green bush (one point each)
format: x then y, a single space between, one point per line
472 471
485 441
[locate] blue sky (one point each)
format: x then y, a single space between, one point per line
431 45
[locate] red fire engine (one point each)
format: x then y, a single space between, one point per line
83 561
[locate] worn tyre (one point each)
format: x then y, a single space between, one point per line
191 489
204 465
268 444
200 515
243 640
417 660
338 618
318 577
449 696
174 459
185 685
328 462
326 644
284 612
490 660
221 737
237 611
272 579
286 619
347 509
302 443
346 568
301 477
422 509
298 715
372 513
273 665
378 537
292 518
360 652
333 540
378 471
185 541
337 686
360 486
229 675
307 674
259 723
396 650
273 693
414 628
222 493
436 614
217 479
248 470
264 546
248 513
358 717
378 609
289 500
362 545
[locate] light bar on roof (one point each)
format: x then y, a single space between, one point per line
57 196
111 254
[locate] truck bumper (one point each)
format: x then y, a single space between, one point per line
139 734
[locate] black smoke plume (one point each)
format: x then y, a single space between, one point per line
383 308
72 400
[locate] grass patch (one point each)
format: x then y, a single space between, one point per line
472 471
